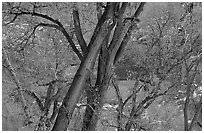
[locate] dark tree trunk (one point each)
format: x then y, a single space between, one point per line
107 59
96 102
95 95
74 92
87 123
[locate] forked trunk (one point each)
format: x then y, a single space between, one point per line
95 100
96 95
70 100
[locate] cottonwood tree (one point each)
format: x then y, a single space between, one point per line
172 53
111 34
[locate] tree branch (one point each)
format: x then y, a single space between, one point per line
120 108
59 91
139 10
58 25
126 38
130 120
55 111
16 81
128 98
99 6
32 94
99 24
119 30
78 32
48 99
186 104
195 117
72 96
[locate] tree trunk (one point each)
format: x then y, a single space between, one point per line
96 102
95 95
120 37
90 110
71 98
73 94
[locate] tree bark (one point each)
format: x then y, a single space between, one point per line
93 94
71 98
96 103
106 61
